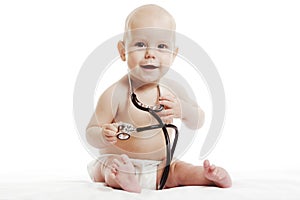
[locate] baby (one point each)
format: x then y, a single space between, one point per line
149 48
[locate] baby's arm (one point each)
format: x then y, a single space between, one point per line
101 131
192 115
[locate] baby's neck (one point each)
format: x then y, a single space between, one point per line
140 85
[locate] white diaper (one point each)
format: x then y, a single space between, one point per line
146 170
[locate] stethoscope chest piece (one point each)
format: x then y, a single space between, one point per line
125 130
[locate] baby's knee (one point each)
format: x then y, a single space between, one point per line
178 171
174 174
95 171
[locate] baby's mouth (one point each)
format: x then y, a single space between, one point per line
149 66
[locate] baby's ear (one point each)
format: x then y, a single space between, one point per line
121 48
175 52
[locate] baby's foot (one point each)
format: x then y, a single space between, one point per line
124 174
217 175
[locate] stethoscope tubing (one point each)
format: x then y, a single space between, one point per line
163 126
169 151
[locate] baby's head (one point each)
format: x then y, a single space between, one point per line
149 42
150 16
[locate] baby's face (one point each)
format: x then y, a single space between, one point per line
150 45
150 52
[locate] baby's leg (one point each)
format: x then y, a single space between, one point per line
117 172
182 173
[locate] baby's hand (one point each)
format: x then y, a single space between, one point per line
109 132
171 110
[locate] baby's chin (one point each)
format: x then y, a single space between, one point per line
149 76
145 79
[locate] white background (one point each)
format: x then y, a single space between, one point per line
255 46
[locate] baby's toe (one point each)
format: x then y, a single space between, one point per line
125 159
206 164
116 162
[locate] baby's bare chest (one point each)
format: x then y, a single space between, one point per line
128 113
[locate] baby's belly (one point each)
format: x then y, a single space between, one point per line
143 145
148 144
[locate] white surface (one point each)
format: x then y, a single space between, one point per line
254 45
276 185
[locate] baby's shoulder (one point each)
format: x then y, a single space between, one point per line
116 91
170 86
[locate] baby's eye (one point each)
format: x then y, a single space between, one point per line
140 44
162 46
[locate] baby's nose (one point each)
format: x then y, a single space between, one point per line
150 53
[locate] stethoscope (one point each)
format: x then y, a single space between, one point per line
125 130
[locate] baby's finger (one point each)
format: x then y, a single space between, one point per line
168 97
109 133
166 112
166 103
113 127
111 139
110 127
